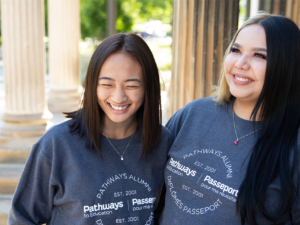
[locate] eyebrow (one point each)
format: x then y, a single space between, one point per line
128 80
254 49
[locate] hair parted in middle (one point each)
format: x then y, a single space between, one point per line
88 121
274 155
222 91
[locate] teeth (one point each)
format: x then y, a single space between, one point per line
118 108
241 79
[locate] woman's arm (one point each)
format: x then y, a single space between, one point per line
33 198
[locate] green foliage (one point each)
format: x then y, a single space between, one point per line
154 10
93 18
46 17
125 19
93 15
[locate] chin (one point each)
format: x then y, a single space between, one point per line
245 98
239 93
118 120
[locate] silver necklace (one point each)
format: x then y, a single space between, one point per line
237 139
122 158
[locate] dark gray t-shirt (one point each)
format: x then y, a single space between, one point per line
64 183
206 168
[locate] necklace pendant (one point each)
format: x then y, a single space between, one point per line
236 142
122 158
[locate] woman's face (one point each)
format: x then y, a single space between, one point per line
245 66
120 88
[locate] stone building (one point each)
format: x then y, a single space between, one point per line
27 112
201 32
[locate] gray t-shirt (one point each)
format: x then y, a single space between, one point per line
64 183
206 168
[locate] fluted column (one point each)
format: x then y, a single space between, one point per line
64 32
288 8
24 67
292 11
202 30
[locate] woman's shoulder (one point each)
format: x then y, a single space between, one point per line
58 130
195 112
55 136
200 103
165 133
199 108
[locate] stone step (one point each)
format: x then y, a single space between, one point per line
14 155
15 150
5 203
9 177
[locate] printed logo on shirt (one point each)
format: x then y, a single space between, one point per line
109 206
221 186
203 174
143 201
131 200
182 168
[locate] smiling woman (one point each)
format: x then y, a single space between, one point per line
120 90
243 144
245 67
105 165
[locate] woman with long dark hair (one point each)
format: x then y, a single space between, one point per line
105 165
235 158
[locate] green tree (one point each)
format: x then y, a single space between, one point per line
93 18
93 15
46 17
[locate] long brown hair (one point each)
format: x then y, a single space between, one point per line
88 120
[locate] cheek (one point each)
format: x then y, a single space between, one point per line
261 72
101 94
228 63
138 96
227 69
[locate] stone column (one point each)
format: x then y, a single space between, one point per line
292 11
64 33
288 8
26 111
202 30
254 6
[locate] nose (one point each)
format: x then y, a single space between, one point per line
242 63
119 95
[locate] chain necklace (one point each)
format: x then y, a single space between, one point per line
122 158
237 139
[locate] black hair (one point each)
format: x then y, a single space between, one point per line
278 106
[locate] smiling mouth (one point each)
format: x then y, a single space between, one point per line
241 79
119 108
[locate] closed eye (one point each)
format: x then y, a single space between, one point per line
132 86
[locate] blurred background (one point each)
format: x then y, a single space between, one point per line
46 45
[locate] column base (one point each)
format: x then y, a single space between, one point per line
25 125
64 100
